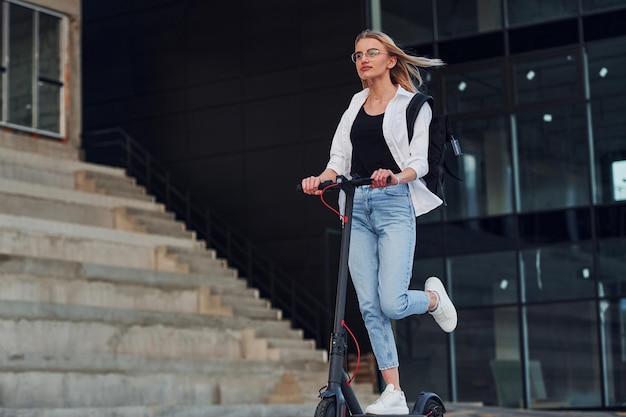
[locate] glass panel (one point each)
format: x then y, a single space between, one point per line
553 158
408 22
609 141
557 272
49 47
49 107
20 65
474 90
563 355
485 167
533 11
467 17
423 366
484 279
487 234
597 5
487 356
612 267
548 79
607 83
607 68
613 320
557 226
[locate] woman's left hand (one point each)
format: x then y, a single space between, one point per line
384 178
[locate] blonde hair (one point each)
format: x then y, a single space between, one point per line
406 65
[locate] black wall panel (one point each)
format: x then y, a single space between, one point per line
238 99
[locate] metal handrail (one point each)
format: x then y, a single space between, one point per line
304 310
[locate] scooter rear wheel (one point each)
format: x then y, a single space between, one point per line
326 408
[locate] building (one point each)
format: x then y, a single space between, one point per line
239 100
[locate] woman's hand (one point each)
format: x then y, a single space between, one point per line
384 178
310 185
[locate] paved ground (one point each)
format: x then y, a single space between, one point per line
463 410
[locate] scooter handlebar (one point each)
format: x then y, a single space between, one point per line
343 183
320 187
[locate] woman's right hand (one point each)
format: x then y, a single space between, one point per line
310 185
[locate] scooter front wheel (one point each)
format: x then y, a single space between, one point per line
432 408
326 408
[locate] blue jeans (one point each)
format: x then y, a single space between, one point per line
381 264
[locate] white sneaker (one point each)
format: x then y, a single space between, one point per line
390 401
445 313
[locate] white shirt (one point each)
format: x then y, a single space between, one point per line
413 155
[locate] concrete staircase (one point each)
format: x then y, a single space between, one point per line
110 307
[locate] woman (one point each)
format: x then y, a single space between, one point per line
371 140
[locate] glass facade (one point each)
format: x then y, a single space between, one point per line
532 244
32 68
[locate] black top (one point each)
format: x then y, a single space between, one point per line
369 149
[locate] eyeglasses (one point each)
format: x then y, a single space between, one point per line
370 53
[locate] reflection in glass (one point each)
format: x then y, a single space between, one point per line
49 47
487 356
549 79
607 85
485 167
553 158
612 267
483 279
467 17
563 353
606 63
598 5
408 22
609 141
474 90
21 60
535 11
547 271
49 107
613 323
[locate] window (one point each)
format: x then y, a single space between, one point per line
563 355
485 168
467 17
600 5
553 153
472 90
553 78
408 22
33 77
546 271
607 87
522 12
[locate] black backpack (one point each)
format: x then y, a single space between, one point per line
440 135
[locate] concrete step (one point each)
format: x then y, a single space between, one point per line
152 340
11 187
232 410
74 380
47 282
101 183
116 218
88 272
17 172
48 156
150 222
266 329
198 261
58 210
59 240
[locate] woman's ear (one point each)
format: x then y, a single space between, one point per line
392 62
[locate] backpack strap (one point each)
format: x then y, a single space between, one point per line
413 109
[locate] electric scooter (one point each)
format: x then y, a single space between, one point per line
339 399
